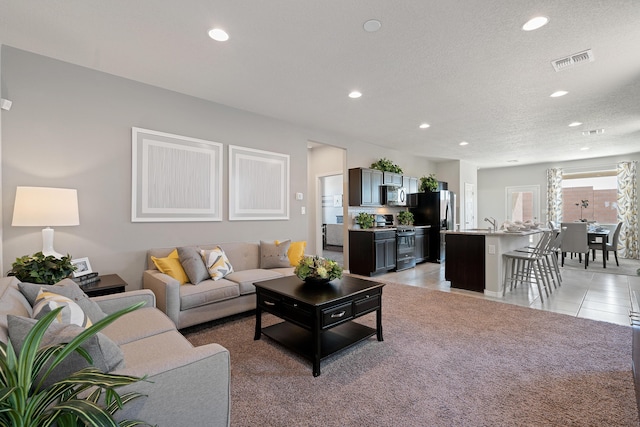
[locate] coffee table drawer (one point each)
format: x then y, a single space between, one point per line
297 313
367 304
270 303
337 314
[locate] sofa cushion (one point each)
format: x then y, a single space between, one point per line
171 266
245 279
106 354
207 292
216 262
274 254
71 312
192 263
69 289
148 321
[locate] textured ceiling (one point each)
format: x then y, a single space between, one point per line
465 67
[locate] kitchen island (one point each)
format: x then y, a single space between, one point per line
474 257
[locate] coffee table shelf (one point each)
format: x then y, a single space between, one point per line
300 340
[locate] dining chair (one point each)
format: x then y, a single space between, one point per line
528 266
575 240
611 246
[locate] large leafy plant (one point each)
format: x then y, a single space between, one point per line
429 183
74 401
386 165
41 269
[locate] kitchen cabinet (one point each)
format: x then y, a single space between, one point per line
364 187
410 183
465 266
390 178
422 244
372 252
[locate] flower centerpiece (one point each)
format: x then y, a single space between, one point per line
315 269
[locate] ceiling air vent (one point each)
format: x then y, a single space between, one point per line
572 60
593 132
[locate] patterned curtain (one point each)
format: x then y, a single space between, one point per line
628 209
554 195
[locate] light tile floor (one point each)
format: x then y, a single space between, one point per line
598 296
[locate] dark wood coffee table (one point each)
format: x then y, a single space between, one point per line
318 318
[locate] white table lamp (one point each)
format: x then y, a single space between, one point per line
45 206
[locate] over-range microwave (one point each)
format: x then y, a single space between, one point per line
393 195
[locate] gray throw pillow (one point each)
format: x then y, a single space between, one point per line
193 264
106 354
69 289
274 256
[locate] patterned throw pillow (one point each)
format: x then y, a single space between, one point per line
217 262
274 254
71 313
171 266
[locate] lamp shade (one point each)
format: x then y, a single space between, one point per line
45 207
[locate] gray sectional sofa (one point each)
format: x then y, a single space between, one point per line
186 385
190 304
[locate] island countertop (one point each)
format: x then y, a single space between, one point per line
488 232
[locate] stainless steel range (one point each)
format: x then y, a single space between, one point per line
405 247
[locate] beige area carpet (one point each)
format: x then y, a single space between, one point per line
628 267
446 360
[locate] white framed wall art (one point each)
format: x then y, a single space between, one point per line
258 184
175 178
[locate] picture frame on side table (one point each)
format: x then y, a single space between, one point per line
83 267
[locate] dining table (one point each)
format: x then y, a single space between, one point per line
595 233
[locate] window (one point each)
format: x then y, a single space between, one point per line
590 196
523 203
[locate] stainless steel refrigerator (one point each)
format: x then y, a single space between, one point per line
436 209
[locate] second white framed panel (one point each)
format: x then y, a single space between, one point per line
258 184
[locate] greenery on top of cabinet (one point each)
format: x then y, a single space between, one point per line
386 165
429 183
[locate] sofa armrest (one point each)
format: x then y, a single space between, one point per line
114 302
166 290
194 390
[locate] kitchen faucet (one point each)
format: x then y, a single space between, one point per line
491 220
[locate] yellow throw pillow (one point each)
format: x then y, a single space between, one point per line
296 252
171 266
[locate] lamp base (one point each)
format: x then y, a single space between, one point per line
47 243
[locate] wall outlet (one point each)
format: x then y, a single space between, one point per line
303 210
492 249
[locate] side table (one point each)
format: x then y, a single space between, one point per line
108 284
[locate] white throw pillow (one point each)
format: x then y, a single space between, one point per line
71 313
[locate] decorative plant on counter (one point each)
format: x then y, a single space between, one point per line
386 165
318 269
405 218
429 183
365 220
41 269
71 401
583 205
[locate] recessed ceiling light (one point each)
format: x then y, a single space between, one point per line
558 93
464 143
219 35
355 94
512 161
424 125
574 124
535 23
372 25
584 148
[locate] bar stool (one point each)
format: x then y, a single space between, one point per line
529 265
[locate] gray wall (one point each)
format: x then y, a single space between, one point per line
71 127
492 182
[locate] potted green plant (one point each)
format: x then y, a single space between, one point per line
405 218
386 165
42 269
429 183
365 220
72 401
